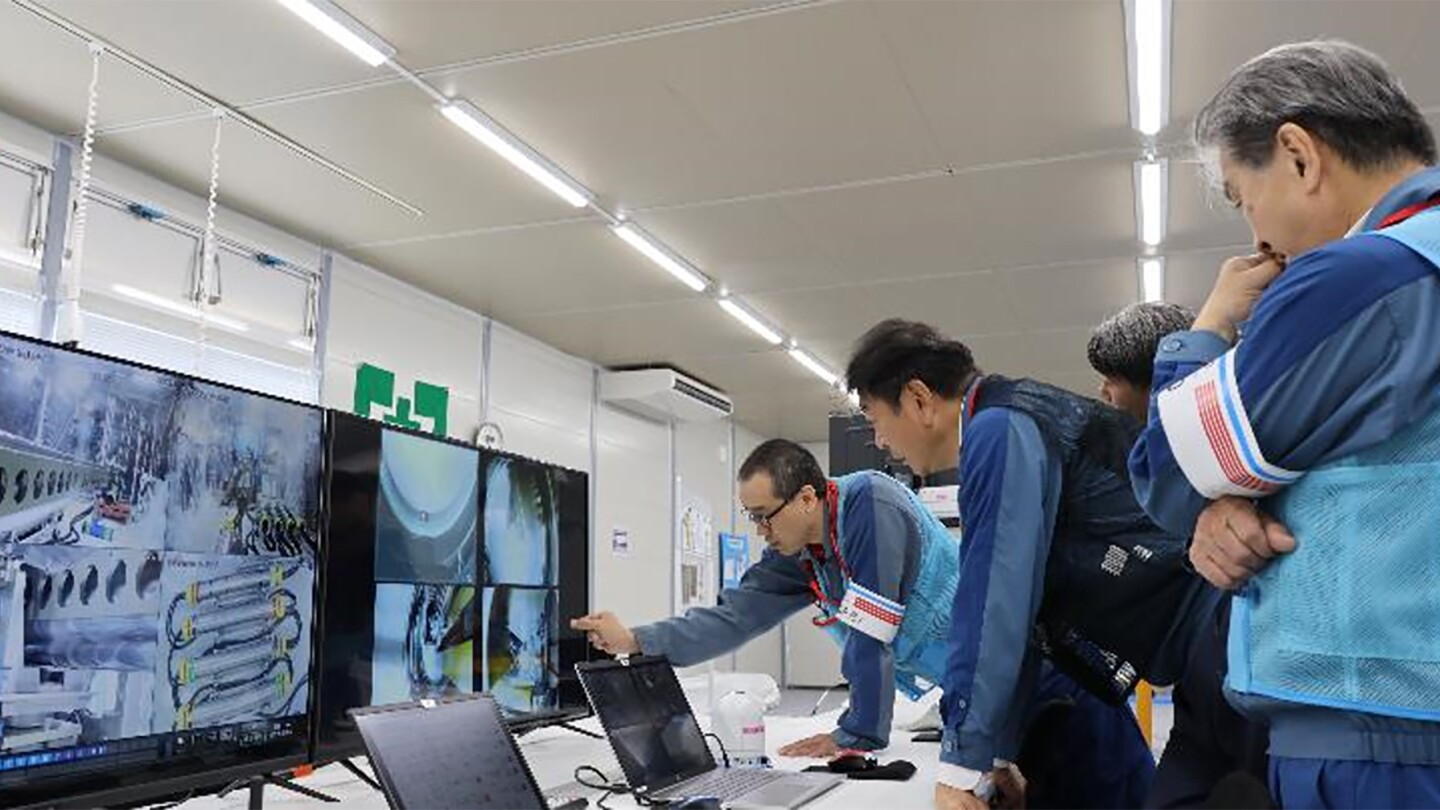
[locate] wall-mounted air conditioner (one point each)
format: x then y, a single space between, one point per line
664 394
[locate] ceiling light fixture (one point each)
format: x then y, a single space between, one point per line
650 249
179 308
1152 279
488 131
1148 42
335 23
743 314
1150 182
814 366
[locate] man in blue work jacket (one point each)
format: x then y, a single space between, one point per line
1306 456
1059 561
864 550
883 571
1210 743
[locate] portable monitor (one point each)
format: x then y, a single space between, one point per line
454 753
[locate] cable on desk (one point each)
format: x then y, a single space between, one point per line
725 755
608 788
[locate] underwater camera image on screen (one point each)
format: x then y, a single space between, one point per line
521 648
423 642
522 522
425 523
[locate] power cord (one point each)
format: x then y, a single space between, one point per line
725 755
609 788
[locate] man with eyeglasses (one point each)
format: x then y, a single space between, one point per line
883 572
864 550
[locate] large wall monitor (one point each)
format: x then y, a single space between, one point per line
157 569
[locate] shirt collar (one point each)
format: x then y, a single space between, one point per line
1416 188
1359 225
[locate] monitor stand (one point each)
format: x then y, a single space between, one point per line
571 727
360 774
256 785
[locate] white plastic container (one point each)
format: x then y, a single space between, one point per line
739 722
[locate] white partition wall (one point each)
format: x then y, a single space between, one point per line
765 653
377 320
633 495
540 398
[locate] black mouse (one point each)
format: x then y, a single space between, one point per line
698 803
850 763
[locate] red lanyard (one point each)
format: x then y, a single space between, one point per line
832 509
1408 212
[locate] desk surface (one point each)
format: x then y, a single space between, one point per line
554 754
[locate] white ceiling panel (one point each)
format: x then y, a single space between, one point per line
1213 37
205 41
753 246
1072 296
394 136
693 329
428 33
1010 81
711 113
969 304
45 79
1036 215
1189 277
570 269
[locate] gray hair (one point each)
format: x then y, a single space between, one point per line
1124 345
1342 94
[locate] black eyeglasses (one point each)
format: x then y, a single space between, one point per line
763 521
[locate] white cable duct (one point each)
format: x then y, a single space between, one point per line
68 326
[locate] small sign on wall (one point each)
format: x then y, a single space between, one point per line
428 409
620 542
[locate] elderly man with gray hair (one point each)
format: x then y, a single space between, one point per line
1304 454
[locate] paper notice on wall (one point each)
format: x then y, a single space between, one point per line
620 542
695 556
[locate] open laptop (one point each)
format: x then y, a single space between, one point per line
660 746
452 753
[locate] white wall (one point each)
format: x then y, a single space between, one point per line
811 657
764 654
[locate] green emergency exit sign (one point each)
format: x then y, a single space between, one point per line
428 409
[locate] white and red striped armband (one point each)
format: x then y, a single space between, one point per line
871 613
1210 435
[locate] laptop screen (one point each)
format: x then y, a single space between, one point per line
648 721
457 754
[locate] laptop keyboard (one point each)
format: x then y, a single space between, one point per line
727 784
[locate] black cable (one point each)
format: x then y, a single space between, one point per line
725 755
608 788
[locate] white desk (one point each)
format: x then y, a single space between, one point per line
554 754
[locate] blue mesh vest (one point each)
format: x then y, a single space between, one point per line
920 646
1350 619
1119 604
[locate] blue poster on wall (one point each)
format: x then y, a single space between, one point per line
734 559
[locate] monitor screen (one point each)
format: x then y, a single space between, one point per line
535 551
157 570
410 612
